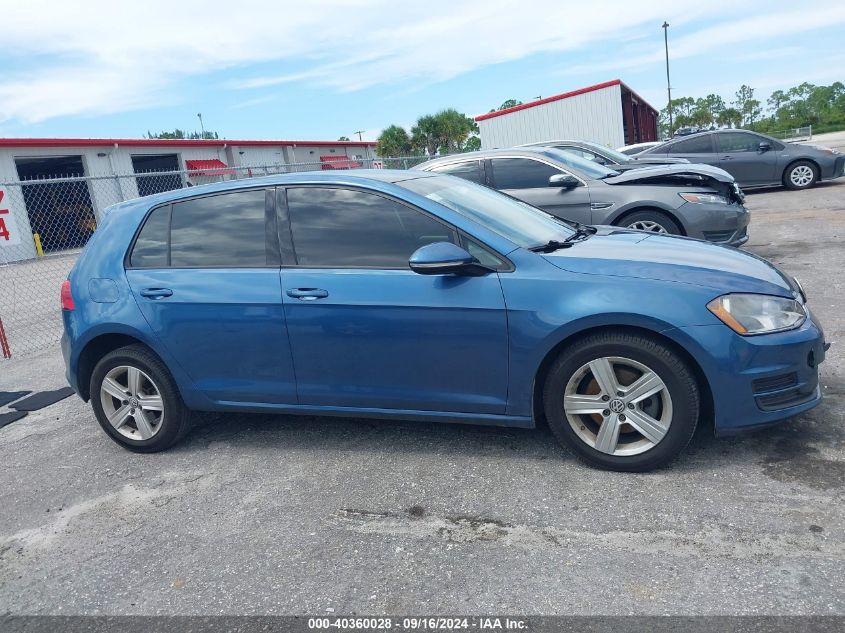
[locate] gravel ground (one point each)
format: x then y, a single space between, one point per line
278 515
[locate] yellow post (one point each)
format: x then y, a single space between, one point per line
38 248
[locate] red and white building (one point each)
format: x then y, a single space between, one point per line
609 113
117 169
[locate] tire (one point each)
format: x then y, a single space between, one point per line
133 387
577 407
653 221
801 174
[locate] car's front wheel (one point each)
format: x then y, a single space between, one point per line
136 401
653 221
800 175
622 401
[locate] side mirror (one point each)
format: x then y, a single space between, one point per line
445 258
565 181
765 146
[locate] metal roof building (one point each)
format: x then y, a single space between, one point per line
608 113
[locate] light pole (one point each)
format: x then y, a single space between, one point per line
359 133
202 129
668 84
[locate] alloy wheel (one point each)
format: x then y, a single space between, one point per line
801 175
618 406
132 402
648 225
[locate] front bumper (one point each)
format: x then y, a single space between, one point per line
759 380
837 171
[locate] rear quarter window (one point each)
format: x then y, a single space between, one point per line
151 247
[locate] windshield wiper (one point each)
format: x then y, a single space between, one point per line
582 232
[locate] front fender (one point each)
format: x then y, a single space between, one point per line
576 303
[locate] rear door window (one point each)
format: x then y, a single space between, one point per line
696 145
521 173
226 230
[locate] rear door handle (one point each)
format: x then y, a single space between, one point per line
727 157
156 293
308 294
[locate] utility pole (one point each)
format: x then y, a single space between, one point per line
199 116
359 133
668 83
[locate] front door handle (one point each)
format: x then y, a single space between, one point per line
156 293
308 294
727 157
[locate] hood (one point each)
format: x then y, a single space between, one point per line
642 255
689 175
647 173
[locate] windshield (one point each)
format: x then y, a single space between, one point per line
581 166
517 221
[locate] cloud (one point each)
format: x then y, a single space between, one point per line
721 38
100 56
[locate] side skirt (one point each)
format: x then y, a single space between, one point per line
448 417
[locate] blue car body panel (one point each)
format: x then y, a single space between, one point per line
392 343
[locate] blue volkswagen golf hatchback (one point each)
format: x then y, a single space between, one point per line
415 296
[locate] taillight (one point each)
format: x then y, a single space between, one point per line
67 296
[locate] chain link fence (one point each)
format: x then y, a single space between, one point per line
44 224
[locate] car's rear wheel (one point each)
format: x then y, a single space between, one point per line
136 401
622 401
801 174
653 221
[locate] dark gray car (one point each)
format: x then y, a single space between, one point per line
754 159
695 200
606 156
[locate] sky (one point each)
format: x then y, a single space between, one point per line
321 69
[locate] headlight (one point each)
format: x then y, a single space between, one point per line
704 198
757 314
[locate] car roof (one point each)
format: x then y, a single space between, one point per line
534 150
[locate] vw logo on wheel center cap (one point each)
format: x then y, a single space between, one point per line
617 406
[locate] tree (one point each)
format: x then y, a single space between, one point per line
473 144
455 128
729 117
426 134
393 142
753 111
748 106
208 135
343 138
713 104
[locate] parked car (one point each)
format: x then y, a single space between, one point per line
606 156
408 295
756 160
636 148
694 200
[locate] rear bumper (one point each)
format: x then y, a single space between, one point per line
757 381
